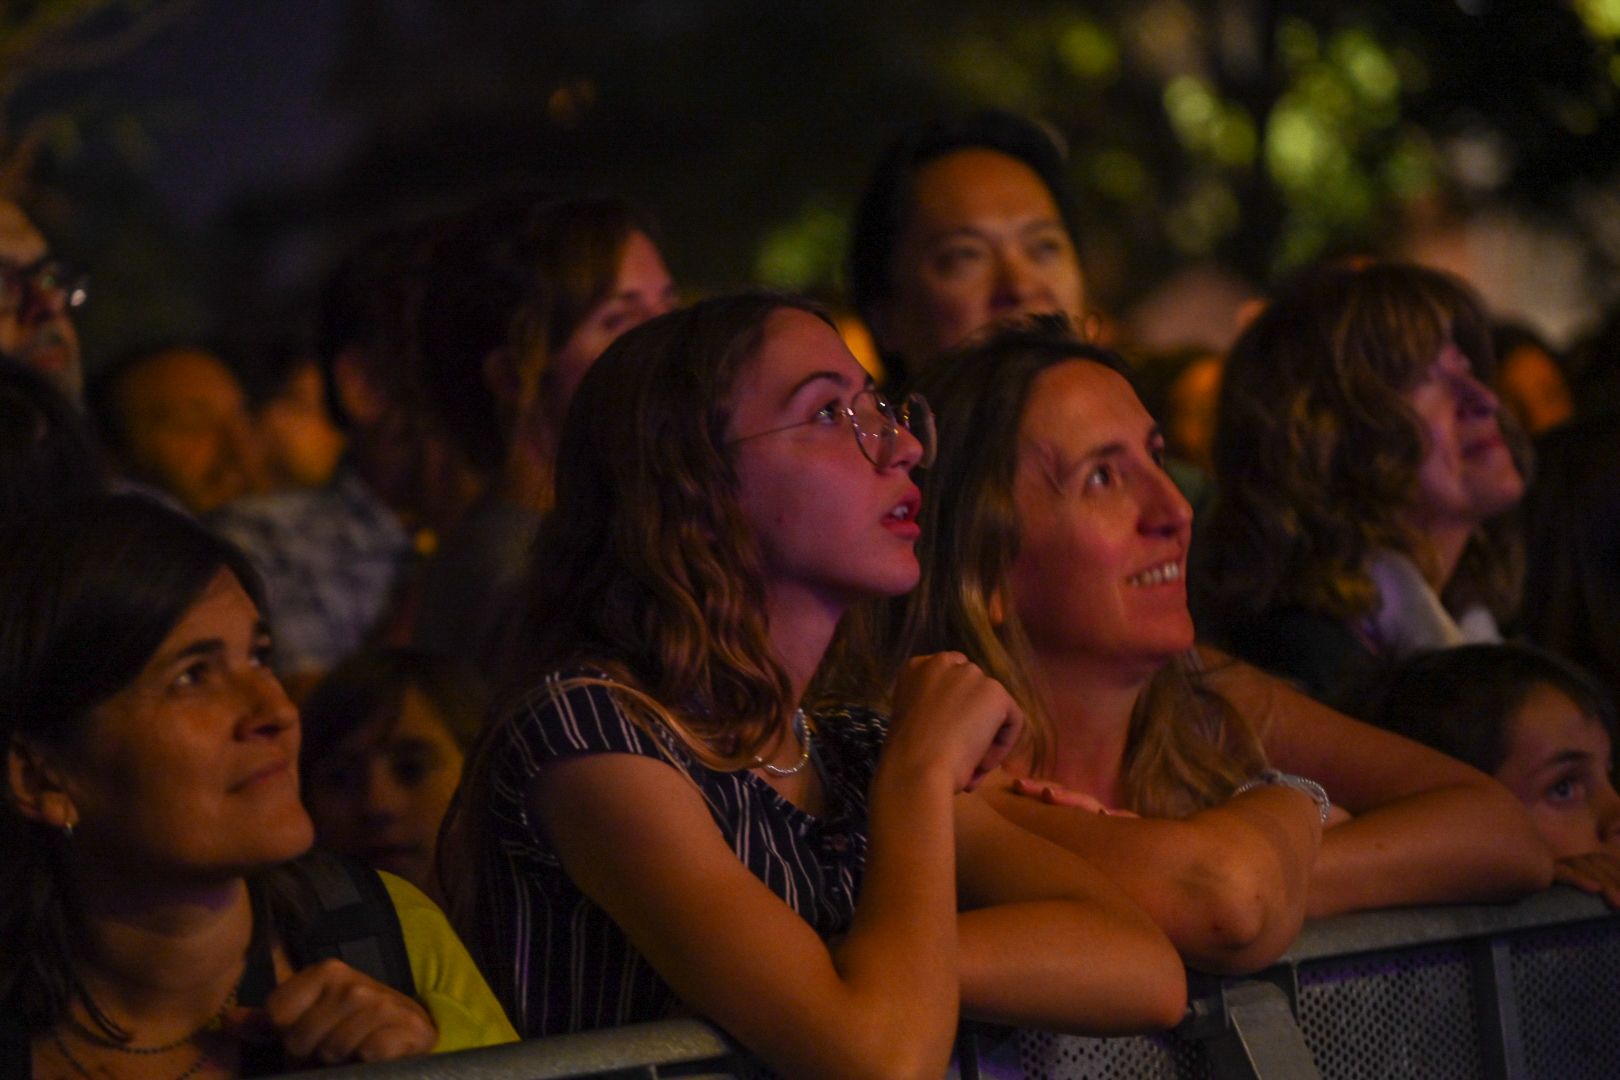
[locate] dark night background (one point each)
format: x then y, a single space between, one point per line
207 159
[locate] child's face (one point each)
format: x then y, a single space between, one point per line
1557 763
382 791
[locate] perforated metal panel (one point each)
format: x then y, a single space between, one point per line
1396 1016
1045 1056
1568 981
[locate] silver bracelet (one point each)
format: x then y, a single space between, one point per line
1278 778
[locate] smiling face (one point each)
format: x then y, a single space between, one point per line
382 791
984 240
1103 532
1467 474
1557 762
832 528
192 769
187 429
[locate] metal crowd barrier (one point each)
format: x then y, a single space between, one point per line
1524 991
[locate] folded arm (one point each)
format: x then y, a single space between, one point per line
1228 886
1426 829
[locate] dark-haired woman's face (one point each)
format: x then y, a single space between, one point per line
192 769
1467 474
984 240
382 792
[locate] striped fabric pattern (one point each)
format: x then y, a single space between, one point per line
558 962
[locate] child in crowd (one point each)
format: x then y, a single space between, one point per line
1538 724
385 735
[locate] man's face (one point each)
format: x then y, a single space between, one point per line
34 326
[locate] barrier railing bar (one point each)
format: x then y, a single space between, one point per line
636 1050
1500 1035
1371 931
1261 1040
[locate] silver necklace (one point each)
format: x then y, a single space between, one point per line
801 731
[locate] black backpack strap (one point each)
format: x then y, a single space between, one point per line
355 921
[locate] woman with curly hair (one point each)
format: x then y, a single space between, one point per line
672 820
1053 553
1363 474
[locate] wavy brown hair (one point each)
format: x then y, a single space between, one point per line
1186 748
646 569
1317 451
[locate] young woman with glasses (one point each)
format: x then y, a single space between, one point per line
672 819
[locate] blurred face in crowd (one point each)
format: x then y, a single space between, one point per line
1194 397
301 444
1100 575
187 429
1534 387
34 326
984 240
192 769
1558 761
641 290
1467 474
382 792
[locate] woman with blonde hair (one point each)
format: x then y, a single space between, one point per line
1364 480
1054 555
671 819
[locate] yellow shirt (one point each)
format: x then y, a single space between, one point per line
447 982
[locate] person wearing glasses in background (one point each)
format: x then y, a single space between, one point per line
36 294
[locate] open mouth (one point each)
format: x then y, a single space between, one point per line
1157 575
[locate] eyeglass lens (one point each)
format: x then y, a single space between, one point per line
878 424
49 284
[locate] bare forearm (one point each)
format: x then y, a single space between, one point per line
898 962
1045 963
1457 843
1227 886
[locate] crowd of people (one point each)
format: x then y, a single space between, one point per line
535 649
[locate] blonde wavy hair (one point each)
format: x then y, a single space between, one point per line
1186 749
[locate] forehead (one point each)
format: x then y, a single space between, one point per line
1549 722
415 720
182 374
1078 404
20 242
978 183
795 345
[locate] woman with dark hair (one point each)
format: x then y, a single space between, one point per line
523 294
1540 725
1364 480
1053 553
672 818
152 902
961 223
385 736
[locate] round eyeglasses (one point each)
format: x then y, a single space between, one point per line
877 425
